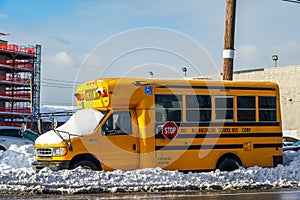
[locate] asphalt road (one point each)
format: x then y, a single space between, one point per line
220 195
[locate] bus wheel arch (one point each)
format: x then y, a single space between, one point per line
87 161
2 148
229 162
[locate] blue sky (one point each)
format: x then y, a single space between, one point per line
83 40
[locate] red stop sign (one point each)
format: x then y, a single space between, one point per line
170 130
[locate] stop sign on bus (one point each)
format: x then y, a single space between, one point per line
170 130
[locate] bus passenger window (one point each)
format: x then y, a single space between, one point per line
224 107
168 108
198 108
267 108
246 108
118 123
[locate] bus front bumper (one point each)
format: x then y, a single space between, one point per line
53 165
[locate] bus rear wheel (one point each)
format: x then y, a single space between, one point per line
86 164
228 164
2 148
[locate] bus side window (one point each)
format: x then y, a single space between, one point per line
119 123
168 108
174 115
246 108
224 108
198 108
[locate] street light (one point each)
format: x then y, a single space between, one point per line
184 69
151 74
275 58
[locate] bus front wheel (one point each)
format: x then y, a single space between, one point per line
86 164
228 164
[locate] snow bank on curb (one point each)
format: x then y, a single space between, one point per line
16 175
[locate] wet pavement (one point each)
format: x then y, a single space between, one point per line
220 195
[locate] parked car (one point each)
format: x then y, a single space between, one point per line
285 144
293 147
289 139
12 135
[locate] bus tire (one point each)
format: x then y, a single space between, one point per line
2 148
86 164
228 164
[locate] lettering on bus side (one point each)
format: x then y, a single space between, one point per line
246 130
221 130
206 130
224 130
164 160
234 130
182 130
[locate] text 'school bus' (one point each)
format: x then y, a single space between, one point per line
185 125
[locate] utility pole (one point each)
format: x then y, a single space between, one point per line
228 52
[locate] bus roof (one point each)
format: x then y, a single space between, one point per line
99 92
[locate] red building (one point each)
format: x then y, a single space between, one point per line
19 83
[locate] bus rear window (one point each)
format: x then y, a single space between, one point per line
267 108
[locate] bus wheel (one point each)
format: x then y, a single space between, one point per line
86 164
2 148
228 164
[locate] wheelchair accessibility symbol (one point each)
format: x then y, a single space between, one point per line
148 89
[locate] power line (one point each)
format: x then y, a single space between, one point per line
55 83
61 84
49 103
64 81
56 86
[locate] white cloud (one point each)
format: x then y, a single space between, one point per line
3 16
60 59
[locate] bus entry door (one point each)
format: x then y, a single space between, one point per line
118 142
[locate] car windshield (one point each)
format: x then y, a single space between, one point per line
30 135
296 143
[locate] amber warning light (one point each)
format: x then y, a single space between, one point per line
79 97
102 92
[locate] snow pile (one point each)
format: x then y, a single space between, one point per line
17 158
16 175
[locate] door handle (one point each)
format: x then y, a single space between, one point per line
134 147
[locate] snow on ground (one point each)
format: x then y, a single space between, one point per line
16 175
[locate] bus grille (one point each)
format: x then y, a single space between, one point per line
44 152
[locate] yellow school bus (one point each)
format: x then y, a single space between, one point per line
187 125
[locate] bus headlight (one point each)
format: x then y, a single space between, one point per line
60 151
